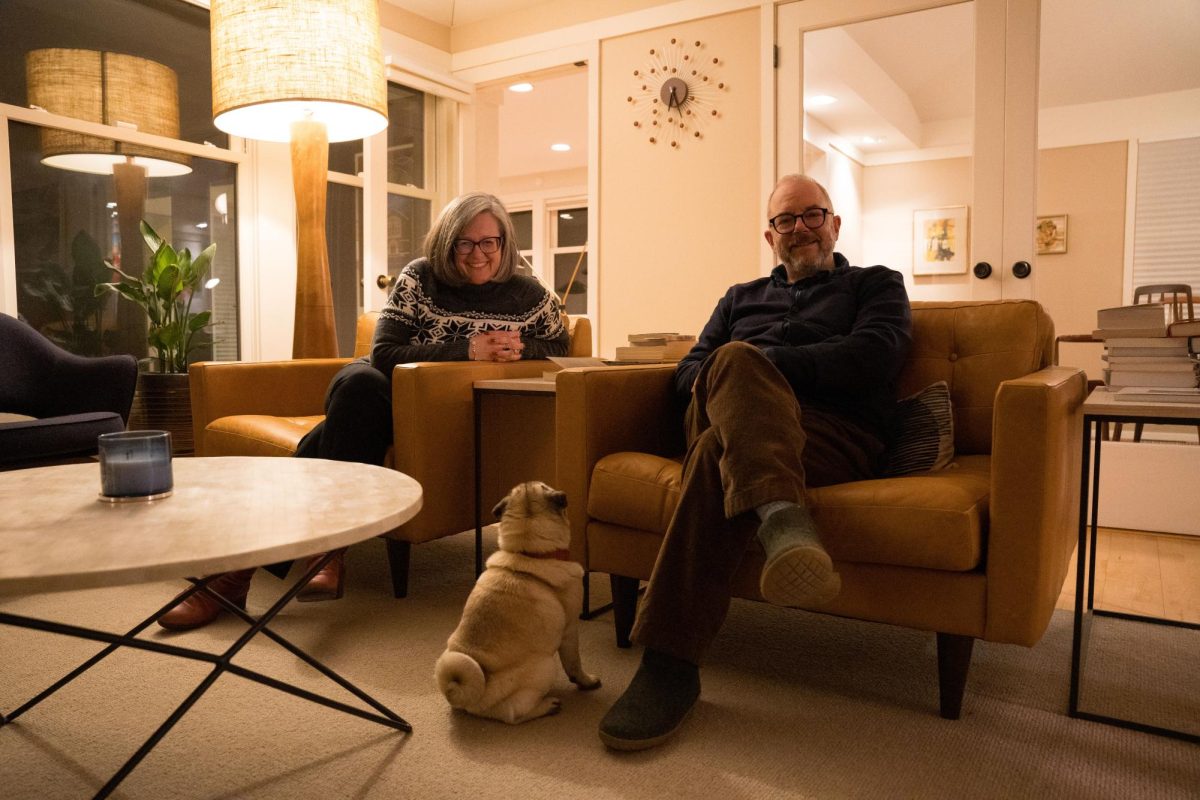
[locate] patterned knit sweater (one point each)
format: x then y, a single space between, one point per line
427 320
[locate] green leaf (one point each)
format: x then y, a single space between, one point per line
199 320
204 260
152 238
167 285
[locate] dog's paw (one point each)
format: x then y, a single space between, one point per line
555 706
586 682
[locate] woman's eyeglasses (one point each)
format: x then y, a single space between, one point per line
487 245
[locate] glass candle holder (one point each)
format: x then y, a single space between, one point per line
135 465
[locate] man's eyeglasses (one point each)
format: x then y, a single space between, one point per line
812 218
487 246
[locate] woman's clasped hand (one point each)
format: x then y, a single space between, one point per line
496 346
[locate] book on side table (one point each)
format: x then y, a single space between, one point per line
1157 394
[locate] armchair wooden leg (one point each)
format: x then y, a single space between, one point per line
625 598
399 553
954 659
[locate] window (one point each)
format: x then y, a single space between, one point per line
67 222
409 205
409 174
568 247
343 237
1166 242
523 227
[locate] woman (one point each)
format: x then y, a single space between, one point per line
462 302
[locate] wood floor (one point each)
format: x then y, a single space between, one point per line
1137 572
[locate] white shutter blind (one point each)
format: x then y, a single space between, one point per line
1166 243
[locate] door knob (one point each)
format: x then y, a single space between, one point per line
982 270
1021 269
385 281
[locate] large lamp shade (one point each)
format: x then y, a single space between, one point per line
111 89
278 61
307 72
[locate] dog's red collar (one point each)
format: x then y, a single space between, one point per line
561 555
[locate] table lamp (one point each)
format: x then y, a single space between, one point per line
123 91
307 72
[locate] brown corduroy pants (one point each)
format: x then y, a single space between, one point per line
747 445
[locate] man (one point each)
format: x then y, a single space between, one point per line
791 384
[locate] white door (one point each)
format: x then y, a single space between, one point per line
974 165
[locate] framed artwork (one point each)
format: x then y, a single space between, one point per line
940 241
1051 234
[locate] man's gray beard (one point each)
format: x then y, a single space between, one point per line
800 267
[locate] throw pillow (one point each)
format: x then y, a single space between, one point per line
922 432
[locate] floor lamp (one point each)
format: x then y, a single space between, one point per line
307 72
110 89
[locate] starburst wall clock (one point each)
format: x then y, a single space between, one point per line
676 93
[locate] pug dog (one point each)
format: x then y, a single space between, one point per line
521 619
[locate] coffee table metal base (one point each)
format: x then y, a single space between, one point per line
221 662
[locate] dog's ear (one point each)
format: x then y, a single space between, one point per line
498 511
558 498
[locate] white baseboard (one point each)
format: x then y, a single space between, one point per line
1150 486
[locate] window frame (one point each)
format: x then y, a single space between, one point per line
234 154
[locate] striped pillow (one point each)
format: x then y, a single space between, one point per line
922 432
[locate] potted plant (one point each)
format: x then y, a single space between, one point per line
165 291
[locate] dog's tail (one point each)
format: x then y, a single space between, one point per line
460 678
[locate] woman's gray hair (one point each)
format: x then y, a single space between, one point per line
455 217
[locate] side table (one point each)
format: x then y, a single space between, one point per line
515 426
1101 408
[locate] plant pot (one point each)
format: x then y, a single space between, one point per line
163 402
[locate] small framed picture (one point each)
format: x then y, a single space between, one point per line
1051 234
940 241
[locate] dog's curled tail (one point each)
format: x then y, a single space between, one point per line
460 678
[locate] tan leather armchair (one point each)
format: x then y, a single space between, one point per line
265 408
976 551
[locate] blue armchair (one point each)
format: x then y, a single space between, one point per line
54 403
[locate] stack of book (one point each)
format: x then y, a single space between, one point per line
1146 352
655 348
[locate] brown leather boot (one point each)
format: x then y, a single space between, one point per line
200 609
326 584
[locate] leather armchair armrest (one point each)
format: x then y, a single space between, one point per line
433 412
603 410
1036 443
274 388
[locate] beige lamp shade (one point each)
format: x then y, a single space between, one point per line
278 61
111 89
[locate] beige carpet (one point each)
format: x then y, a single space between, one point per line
793 705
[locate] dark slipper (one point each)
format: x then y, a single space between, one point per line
658 700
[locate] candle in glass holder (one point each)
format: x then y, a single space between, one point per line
135 464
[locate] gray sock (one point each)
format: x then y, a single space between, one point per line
767 509
797 571
787 526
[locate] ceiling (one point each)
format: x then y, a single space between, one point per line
462 12
907 80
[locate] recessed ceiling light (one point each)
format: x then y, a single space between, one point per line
871 140
560 147
819 100
521 87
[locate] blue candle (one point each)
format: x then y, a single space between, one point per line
135 463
